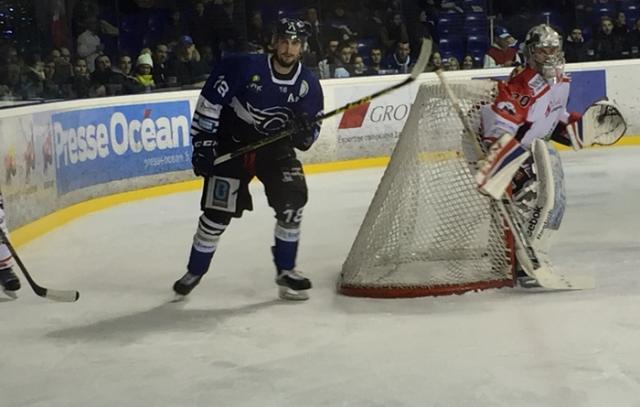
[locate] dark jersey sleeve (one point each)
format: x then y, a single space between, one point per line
222 85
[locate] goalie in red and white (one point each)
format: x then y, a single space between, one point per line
531 108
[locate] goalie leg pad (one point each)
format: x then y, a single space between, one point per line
503 160
548 210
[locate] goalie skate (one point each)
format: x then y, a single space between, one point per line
293 285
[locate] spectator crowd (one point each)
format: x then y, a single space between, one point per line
120 47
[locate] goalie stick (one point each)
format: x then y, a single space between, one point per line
55 295
418 68
535 264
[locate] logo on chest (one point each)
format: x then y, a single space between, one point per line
254 84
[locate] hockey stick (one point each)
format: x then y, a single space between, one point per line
535 265
418 68
55 295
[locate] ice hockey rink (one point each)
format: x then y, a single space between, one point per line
234 344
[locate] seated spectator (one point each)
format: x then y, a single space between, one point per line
393 32
375 66
633 39
316 30
359 68
54 55
33 77
353 43
207 59
199 25
343 69
327 67
160 56
51 89
258 36
65 54
106 82
452 64
8 55
606 44
435 62
372 21
468 62
125 65
620 27
9 80
575 49
81 80
143 75
341 24
400 60
185 68
64 68
502 53
174 29
228 20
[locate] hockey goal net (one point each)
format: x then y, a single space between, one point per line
428 231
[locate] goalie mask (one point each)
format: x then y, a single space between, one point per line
543 52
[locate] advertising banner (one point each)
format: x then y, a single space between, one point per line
95 146
372 129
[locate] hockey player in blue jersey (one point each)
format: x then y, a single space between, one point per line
245 99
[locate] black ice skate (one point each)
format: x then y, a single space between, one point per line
523 280
187 283
292 285
9 282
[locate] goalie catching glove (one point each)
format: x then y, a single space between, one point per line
601 124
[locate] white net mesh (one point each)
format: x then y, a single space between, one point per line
428 231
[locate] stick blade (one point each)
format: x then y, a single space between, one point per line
62 295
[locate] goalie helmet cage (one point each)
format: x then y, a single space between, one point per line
428 231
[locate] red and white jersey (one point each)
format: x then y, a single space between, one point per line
527 107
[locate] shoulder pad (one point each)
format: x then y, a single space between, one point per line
529 82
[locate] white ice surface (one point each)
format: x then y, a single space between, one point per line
234 344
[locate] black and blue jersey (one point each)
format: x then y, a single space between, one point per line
245 100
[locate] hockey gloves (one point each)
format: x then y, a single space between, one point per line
302 132
204 154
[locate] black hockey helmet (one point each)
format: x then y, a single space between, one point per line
292 28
